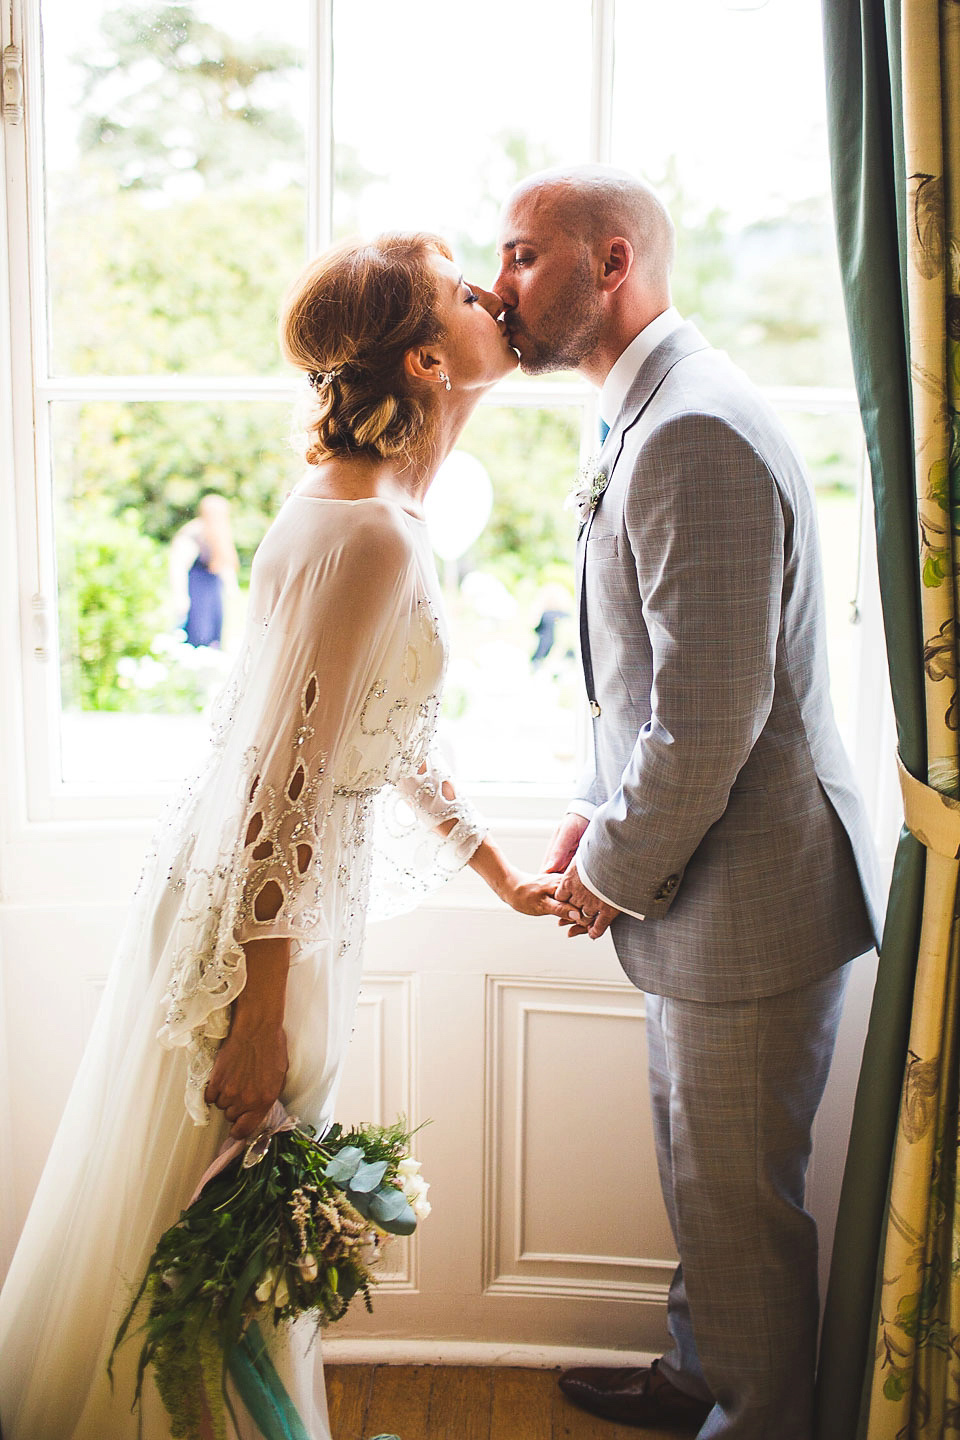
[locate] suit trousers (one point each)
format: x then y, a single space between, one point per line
735 1088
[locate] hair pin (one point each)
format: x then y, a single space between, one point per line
319 379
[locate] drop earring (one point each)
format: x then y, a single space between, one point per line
442 375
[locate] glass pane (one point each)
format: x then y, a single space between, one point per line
174 169
833 448
135 546
731 128
514 686
435 121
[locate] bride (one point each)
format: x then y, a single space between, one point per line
322 801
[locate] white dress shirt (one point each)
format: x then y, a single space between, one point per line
613 392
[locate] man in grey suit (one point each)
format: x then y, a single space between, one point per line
718 832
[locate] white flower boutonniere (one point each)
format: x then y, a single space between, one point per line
585 495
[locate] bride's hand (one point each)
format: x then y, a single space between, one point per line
534 894
248 1075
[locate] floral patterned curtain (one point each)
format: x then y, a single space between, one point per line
890 1352
915 1384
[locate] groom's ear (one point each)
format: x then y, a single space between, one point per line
617 262
421 364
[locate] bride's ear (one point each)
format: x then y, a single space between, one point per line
421 364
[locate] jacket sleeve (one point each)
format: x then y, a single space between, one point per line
707 532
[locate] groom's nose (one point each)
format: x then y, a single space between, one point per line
490 302
506 297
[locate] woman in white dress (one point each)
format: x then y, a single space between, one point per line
322 801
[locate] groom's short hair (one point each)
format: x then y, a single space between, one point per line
594 202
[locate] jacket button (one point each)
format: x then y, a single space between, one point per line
671 883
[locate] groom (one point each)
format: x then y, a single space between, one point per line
717 831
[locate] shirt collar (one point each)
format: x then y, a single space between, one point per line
613 392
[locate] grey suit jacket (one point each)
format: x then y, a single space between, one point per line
727 812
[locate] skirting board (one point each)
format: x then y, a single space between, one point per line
361 1351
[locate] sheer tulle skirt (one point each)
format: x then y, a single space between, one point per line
124 1163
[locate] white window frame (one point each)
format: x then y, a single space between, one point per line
30 707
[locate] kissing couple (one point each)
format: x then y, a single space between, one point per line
717 832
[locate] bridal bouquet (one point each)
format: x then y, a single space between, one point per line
282 1226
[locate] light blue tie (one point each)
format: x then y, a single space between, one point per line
604 429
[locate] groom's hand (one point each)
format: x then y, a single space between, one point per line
563 846
596 913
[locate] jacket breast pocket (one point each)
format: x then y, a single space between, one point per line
602 547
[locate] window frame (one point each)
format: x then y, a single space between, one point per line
31 710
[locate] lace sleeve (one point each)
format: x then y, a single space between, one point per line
416 848
261 858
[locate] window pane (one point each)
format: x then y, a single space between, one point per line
439 108
128 484
514 687
174 171
833 447
735 139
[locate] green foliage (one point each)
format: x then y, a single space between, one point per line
113 588
171 289
158 458
531 456
151 57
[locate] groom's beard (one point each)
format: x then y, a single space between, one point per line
566 333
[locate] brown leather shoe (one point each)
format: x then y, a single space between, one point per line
641 1397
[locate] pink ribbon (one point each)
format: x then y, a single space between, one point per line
275 1120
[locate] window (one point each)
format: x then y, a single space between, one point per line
177 163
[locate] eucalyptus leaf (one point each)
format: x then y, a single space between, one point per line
344 1165
367 1177
360 1203
387 1204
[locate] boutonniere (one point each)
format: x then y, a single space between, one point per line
585 495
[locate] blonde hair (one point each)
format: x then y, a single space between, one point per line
348 320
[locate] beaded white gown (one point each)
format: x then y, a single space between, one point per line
321 796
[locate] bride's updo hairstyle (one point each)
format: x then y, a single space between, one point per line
348 320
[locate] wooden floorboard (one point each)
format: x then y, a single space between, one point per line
523 1402
399 1402
460 1402
348 1394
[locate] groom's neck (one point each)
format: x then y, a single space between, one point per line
622 325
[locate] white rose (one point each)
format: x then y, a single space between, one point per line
409 1167
415 1188
421 1207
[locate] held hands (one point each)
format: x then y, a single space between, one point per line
584 912
589 914
533 894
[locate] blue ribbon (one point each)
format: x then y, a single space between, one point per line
261 1389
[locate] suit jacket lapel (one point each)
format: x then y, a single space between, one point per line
685 340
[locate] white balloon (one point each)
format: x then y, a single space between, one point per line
458 504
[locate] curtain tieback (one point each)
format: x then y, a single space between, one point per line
934 818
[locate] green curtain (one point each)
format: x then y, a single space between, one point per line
888 1327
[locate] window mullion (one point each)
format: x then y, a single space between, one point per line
601 82
29 365
320 127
